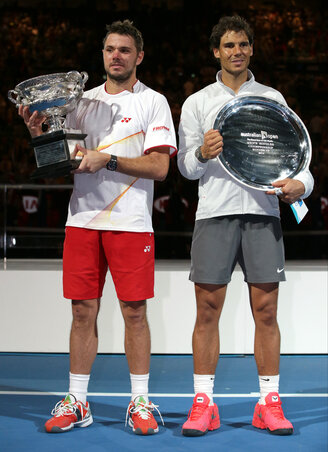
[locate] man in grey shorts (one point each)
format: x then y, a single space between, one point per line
254 241
234 223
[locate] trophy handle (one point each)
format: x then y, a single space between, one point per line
80 78
11 97
84 77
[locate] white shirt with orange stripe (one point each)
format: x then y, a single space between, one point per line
127 124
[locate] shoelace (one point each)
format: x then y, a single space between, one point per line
277 412
196 411
63 409
143 410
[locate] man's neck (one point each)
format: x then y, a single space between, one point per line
234 81
115 87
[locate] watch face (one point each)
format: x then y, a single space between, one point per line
112 164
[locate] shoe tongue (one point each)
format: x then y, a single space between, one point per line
69 398
139 399
201 397
273 398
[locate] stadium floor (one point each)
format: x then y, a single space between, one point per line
31 384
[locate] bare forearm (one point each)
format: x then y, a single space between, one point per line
151 166
147 167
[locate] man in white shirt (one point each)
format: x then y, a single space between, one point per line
130 137
234 223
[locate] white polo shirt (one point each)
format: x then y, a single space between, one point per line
219 193
127 124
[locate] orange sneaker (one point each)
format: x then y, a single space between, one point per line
69 413
201 417
271 417
141 418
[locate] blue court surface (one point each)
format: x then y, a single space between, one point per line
31 384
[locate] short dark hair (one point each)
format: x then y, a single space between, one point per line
230 23
125 27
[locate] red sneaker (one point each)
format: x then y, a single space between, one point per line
201 417
141 418
69 413
271 417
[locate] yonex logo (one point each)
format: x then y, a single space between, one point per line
275 398
126 119
200 399
147 249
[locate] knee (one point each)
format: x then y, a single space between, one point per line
84 312
134 314
207 314
267 316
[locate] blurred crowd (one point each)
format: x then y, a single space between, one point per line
290 54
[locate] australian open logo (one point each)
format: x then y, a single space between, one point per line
263 135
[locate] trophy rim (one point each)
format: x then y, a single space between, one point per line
55 75
234 105
55 105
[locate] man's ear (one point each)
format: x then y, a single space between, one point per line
140 57
216 53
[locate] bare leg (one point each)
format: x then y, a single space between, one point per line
264 299
205 340
137 336
84 335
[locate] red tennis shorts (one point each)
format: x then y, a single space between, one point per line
88 254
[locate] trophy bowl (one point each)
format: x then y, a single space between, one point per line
263 141
53 96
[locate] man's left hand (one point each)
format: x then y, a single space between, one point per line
291 190
92 161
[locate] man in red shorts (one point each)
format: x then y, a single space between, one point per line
130 137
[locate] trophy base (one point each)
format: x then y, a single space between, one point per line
56 169
53 153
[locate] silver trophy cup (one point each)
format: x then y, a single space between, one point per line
53 96
263 141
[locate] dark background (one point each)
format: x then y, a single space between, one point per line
37 37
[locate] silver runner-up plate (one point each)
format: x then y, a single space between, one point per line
263 141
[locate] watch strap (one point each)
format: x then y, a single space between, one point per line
200 158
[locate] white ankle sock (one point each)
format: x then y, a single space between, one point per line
78 386
139 386
205 384
268 383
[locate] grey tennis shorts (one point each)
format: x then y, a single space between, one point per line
254 241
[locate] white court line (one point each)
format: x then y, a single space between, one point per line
128 394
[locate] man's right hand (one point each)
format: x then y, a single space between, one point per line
213 144
33 120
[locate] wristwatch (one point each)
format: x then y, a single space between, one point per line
198 154
111 165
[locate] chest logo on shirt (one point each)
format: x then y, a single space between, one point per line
126 119
156 129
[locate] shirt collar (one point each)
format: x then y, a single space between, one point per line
250 79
